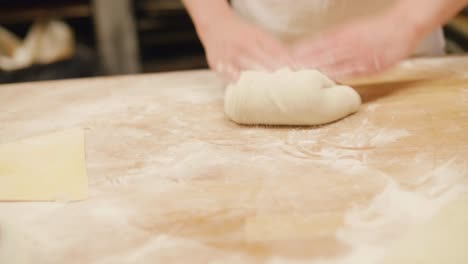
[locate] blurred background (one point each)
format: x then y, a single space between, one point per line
57 39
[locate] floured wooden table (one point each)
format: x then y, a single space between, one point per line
173 181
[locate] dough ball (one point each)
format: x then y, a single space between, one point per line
286 97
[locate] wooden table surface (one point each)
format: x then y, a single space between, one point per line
173 181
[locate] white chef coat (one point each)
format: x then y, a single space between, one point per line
293 19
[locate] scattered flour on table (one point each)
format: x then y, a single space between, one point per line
346 151
395 210
371 107
167 248
368 229
369 136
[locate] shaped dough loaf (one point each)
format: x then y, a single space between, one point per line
285 97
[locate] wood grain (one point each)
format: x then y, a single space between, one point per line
173 181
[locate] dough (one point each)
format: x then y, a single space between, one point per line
444 239
44 168
285 97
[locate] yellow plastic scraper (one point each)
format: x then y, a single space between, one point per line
44 168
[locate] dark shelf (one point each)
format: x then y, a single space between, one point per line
27 11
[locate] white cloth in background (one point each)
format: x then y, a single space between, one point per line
294 19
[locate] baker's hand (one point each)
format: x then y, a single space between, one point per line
232 46
362 47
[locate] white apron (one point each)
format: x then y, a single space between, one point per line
293 19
